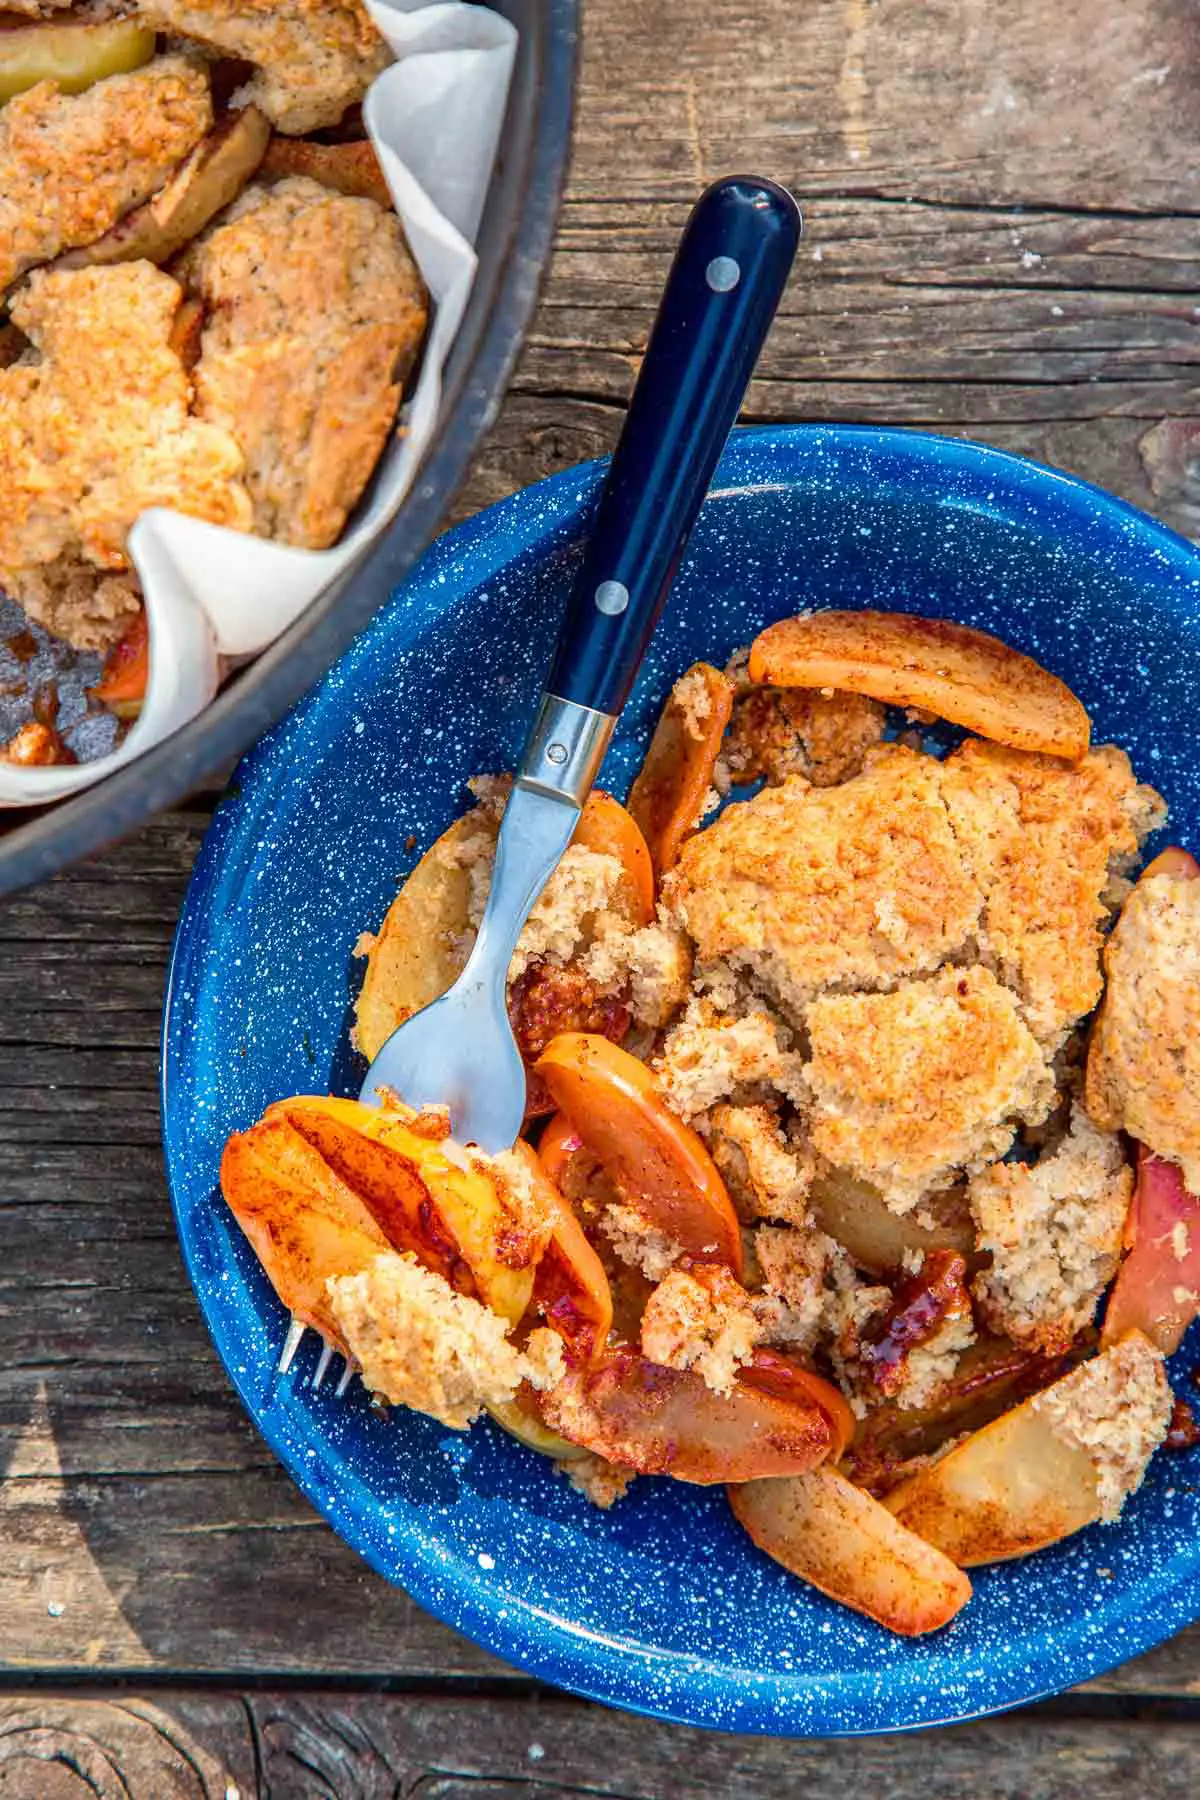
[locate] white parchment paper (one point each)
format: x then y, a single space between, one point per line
435 118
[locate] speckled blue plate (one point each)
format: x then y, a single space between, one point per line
661 1605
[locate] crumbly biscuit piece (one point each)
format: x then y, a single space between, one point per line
709 1056
420 1344
793 1263
850 1305
660 968
1116 1409
807 888
929 1366
1143 1070
597 1479
94 428
315 312
777 732
76 601
652 966
1053 1231
1043 839
909 1087
703 1319
768 1176
585 887
524 1223
314 58
578 904
639 1243
693 697
72 164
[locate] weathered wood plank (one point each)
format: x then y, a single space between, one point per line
1002 233
953 100
127 1749
188 1746
551 1748
1107 451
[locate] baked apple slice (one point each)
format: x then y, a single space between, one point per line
346 168
835 1536
878 1239
1157 1290
668 794
668 1422
570 1286
609 829
1061 1460
657 1163
770 1372
73 55
304 1224
1007 1490
207 181
122 684
557 1148
952 671
528 1429
1172 861
447 1211
419 950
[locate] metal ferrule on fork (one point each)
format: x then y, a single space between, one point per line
565 749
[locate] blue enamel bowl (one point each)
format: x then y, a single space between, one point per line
660 1605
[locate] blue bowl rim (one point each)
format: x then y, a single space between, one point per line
596 1669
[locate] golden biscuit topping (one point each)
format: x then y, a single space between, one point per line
314 58
810 888
72 164
94 426
909 1086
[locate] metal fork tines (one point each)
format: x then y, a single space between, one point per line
291 1344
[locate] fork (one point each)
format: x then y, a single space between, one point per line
720 298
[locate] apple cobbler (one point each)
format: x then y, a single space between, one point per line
206 309
861 1169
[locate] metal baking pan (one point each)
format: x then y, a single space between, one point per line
514 247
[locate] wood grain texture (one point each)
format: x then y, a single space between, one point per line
1003 238
1003 242
126 1749
191 1746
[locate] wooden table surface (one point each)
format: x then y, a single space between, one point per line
1003 242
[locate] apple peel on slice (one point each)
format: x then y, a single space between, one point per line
609 829
770 1372
1172 861
446 1212
668 794
660 1421
570 1286
841 1540
953 671
346 168
658 1164
1157 1290
303 1223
